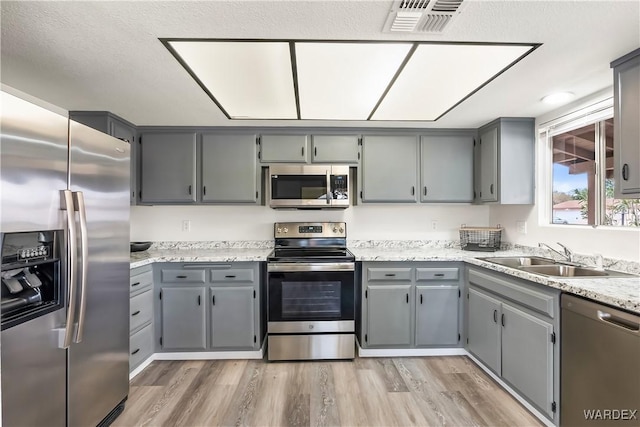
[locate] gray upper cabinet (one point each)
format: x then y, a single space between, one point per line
484 330
335 149
168 168
229 169
437 315
626 133
284 148
389 168
183 318
117 127
232 317
389 315
446 173
507 161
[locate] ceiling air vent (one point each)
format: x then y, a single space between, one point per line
422 16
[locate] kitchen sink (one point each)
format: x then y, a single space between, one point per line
549 267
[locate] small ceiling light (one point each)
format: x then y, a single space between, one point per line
558 98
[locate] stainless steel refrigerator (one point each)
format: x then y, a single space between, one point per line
65 251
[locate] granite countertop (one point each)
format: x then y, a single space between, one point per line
619 292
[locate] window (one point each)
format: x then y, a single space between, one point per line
582 179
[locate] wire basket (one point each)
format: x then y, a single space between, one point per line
481 239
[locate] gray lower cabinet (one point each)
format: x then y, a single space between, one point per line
446 173
141 316
626 134
233 317
335 149
183 318
284 148
229 169
410 304
512 328
168 168
389 320
389 168
506 151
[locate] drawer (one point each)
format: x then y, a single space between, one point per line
237 275
436 274
140 309
183 276
389 274
140 346
140 282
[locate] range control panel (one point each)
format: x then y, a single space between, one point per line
309 229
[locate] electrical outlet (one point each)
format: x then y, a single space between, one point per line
186 225
434 225
521 227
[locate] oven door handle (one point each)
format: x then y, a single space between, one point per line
284 267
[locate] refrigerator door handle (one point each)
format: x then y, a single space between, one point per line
78 197
66 204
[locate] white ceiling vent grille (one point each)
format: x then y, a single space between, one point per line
422 16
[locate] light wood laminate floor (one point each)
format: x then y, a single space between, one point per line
420 391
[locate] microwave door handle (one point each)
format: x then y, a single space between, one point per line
66 204
84 249
328 186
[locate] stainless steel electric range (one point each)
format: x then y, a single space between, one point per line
311 293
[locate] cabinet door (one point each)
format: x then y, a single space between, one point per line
232 317
389 314
437 315
168 168
627 128
484 330
446 168
229 168
489 165
335 149
123 131
527 356
183 318
283 148
389 168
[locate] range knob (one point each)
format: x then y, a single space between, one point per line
341 230
278 230
286 230
335 230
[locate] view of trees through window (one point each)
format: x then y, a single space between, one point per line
577 192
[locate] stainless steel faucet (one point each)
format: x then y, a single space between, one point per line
568 254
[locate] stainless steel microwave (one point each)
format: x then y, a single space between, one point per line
308 186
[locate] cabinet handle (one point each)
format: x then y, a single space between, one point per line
181 277
199 301
424 191
135 314
439 275
230 277
491 188
390 275
420 298
213 300
302 152
189 190
135 284
204 190
135 351
502 319
495 316
407 298
315 151
413 190
625 172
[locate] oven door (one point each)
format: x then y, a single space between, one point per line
311 297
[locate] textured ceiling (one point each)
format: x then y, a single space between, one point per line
107 56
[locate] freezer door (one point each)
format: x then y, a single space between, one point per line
33 165
33 373
98 365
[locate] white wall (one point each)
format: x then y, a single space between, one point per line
364 222
612 242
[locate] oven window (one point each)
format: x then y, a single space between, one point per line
318 299
298 187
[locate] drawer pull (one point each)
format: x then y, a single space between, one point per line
181 277
230 277
136 313
135 284
390 275
439 275
135 351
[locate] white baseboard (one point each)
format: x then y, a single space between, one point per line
539 415
410 352
141 367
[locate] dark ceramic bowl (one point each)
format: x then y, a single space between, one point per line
140 246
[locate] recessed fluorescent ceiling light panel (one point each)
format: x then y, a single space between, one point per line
342 80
